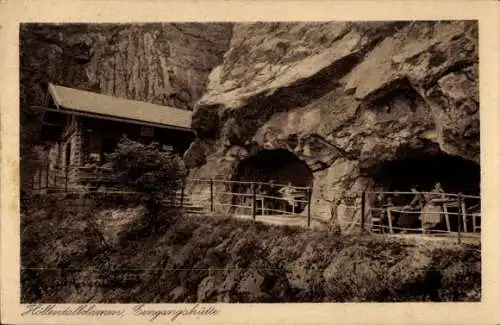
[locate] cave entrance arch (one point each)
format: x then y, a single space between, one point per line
275 168
422 171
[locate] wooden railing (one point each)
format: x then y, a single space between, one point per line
258 200
68 177
460 212
247 200
463 210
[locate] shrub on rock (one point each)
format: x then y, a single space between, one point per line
154 173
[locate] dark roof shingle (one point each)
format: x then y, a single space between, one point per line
104 105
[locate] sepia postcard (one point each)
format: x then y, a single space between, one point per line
220 162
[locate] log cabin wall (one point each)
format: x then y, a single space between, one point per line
84 141
102 136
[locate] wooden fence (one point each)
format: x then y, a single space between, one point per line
250 198
66 179
267 200
465 209
460 213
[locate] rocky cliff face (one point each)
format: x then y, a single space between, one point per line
97 248
161 63
347 98
353 100
166 64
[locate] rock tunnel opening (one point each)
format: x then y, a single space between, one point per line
275 168
422 172
454 173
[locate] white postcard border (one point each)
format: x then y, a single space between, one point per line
487 12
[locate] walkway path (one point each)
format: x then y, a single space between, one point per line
283 220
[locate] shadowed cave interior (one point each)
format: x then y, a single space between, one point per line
423 172
272 165
455 174
417 169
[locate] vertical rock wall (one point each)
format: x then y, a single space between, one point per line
166 64
344 97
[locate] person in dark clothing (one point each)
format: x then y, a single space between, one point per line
270 192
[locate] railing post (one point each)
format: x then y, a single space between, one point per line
309 196
254 199
363 201
473 223
459 226
211 195
446 217
464 212
389 220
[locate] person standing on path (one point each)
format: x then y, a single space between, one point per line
287 193
432 214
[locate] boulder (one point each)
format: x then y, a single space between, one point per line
115 224
195 155
304 271
206 289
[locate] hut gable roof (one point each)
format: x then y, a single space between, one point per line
104 106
